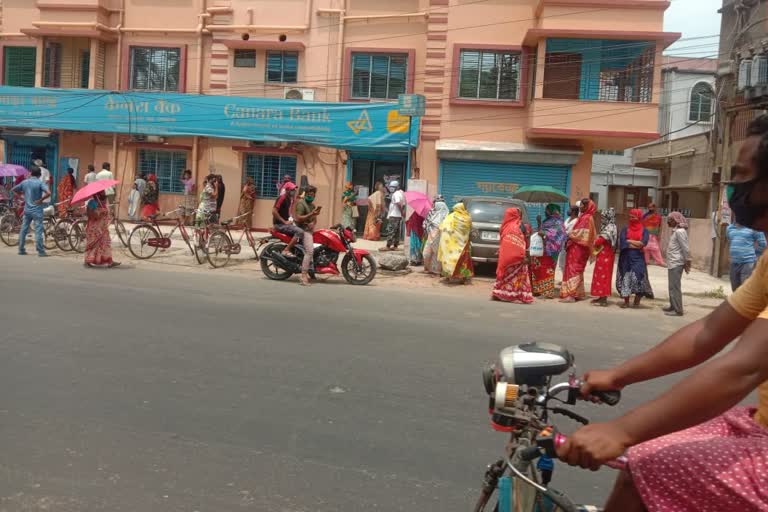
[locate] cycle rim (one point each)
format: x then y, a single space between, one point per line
218 249
137 242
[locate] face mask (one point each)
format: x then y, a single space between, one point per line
746 213
309 199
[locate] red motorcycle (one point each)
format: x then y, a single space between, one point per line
357 266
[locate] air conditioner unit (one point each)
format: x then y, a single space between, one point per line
140 137
745 74
263 144
298 93
759 74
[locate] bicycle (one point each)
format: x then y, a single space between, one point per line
222 244
520 392
77 232
11 220
63 227
146 238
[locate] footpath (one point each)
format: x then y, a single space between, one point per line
699 288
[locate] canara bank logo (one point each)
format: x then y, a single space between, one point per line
362 123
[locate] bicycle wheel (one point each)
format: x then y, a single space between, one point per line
201 246
77 236
122 233
218 249
49 238
9 229
137 241
61 234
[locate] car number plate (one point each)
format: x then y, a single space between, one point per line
490 236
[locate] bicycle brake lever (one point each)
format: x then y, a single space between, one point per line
570 414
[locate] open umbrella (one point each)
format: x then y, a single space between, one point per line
540 194
92 189
12 170
419 201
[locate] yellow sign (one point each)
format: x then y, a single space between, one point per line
397 123
362 123
494 187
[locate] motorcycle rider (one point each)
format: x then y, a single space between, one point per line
721 461
281 216
305 216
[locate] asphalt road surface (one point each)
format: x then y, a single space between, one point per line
149 390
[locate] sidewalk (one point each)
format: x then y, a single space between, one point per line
698 287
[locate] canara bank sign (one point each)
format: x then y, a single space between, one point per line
314 115
142 107
363 126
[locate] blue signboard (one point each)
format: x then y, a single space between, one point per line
337 125
412 105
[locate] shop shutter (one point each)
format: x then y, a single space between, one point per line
19 66
463 178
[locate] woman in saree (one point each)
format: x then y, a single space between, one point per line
373 219
349 203
652 223
98 246
552 230
513 278
605 255
150 197
414 228
453 249
632 278
65 190
435 217
578 249
247 199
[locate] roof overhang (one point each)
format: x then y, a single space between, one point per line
63 32
238 44
533 35
626 138
660 5
511 152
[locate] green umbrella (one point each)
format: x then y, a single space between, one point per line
540 194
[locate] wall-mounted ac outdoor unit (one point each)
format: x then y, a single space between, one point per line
299 93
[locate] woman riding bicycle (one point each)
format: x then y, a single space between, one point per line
720 463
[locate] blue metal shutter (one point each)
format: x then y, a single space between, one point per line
463 178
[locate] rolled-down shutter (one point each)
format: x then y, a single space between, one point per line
463 178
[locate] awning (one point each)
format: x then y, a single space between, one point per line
505 152
364 126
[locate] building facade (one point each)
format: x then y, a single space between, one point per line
683 155
617 183
517 93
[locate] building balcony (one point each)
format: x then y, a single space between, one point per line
629 15
604 124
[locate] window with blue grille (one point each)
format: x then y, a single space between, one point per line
167 166
267 172
282 67
378 75
489 74
85 68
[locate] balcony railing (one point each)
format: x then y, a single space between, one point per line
599 70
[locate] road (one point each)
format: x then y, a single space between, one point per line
140 389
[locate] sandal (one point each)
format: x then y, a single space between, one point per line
114 264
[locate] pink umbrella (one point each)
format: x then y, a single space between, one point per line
12 170
92 189
419 202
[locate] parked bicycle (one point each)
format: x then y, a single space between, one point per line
63 227
116 230
10 225
146 238
222 244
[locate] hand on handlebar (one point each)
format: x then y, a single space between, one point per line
594 445
598 380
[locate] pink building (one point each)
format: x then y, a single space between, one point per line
517 92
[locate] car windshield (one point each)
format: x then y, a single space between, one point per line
488 211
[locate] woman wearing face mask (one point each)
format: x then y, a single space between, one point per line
693 448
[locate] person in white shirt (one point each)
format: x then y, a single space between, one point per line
106 174
90 177
45 177
395 215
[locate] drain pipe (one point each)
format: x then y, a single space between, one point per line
339 76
